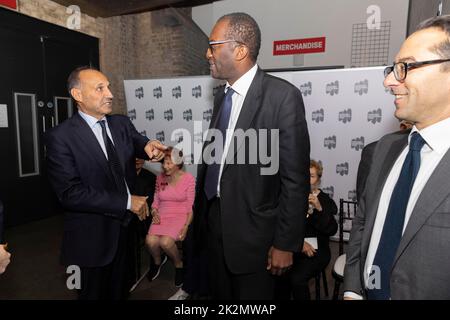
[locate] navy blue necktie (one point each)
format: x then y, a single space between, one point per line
395 218
113 160
213 170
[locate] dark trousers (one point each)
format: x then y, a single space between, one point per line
108 282
195 266
224 284
295 282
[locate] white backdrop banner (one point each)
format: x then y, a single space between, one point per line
345 109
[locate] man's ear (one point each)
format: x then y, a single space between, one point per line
242 52
76 94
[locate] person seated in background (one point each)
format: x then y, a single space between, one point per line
171 213
145 186
315 254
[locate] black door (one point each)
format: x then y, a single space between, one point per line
36 59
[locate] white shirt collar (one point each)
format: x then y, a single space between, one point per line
90 120
242 84
436 136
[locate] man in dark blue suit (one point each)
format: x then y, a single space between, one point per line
91 166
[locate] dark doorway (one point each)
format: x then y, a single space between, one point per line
36 58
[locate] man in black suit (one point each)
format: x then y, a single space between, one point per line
253 219
91 166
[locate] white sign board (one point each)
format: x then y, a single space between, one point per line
3 116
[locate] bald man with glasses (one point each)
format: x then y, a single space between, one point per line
399 246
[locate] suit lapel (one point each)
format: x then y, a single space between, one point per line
217 103
396 148
84 132
251 105
212 125
434 191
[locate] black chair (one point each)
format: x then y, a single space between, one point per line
347 210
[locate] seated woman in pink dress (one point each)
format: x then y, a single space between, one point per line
171 213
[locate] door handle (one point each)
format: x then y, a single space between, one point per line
53 121
43 124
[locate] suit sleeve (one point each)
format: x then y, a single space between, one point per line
363 169
73 194
293 170
352 272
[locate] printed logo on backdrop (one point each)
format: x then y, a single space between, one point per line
357 143
216 90
374 116
168 115
352 195
197 91
176 92
139 93
187 115
362 87
144 133
160 136
306 88
189 159
132 114
345 116
150 115
157 92
207 115
179 137
332 88
330 142
342 169
329 190
318 115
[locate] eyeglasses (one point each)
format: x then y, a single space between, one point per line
401 68
214 43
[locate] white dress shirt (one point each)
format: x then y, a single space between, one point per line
436 145
240 87
97 130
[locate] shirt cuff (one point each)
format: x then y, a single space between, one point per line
352 295
129 202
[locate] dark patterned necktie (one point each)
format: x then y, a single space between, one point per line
395 219
213 170
113 160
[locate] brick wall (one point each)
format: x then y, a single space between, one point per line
164 43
